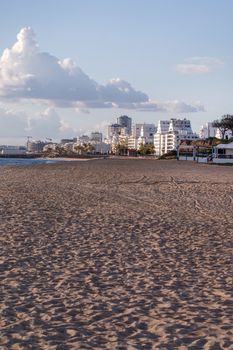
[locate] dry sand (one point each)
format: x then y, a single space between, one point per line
117 254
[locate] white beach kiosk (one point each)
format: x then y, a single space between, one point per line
199 154
223 153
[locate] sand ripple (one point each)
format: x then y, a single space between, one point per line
116 254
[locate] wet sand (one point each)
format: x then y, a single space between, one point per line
116 254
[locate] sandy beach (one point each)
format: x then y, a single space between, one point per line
116 254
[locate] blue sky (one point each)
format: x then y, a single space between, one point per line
169 58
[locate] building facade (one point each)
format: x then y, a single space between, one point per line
125 122
96 136
36 146
170 133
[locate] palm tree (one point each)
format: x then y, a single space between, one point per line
79 149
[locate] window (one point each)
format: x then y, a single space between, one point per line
221 151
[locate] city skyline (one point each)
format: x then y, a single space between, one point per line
72 68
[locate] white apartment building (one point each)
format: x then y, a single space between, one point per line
114 130
160 138
136 130
170 133
117 134
96 136
132 142
141 134
83 139
147 134
208 130
163 126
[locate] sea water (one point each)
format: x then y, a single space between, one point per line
25 161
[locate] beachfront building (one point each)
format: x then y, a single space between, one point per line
223 153
160 138
147 134
141 134
133 138
170 133
132 142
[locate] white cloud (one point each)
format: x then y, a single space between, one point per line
12 123
26 73
46 124
198 65
174 106
189 68
120 91
49 124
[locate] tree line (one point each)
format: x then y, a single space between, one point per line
122 149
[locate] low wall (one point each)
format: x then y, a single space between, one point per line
222 161
186 158
201 159
196 159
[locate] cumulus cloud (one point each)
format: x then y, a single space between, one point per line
49 124
120 91
27 73
198 65
46 124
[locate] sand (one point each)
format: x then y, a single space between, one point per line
116 254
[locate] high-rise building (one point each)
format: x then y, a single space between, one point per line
126 122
